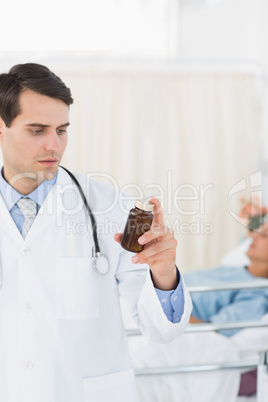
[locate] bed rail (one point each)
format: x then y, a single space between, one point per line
213 327
196 368
262 371
262 364
258 284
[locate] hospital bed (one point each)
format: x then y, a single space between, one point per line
202 365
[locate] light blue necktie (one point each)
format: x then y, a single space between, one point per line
29 209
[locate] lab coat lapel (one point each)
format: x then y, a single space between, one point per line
7 224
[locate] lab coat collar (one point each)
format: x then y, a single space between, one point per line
11 196
51 208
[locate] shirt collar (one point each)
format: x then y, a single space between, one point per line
11 196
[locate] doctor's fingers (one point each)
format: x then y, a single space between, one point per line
165 258
157 251
118 237
158 211
157 232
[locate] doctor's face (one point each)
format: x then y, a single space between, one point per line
34 144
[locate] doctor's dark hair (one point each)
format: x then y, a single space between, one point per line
31 76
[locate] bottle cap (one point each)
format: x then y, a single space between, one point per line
145 205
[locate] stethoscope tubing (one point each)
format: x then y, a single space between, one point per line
92 218
101 264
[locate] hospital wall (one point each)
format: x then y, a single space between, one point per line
189 130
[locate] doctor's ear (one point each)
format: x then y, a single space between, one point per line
2 127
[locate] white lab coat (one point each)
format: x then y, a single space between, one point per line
61 333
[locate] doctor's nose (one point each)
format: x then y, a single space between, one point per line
52 141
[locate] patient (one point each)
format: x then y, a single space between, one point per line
235 305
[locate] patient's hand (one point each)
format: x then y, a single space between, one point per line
194 320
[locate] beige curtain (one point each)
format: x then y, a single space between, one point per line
186 137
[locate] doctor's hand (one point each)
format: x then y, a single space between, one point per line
159 251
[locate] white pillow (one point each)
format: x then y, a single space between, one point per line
237 257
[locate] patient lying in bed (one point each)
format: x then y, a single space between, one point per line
234 305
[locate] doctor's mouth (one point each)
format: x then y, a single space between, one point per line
49 162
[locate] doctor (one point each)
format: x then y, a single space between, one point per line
61 333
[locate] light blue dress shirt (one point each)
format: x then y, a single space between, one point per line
171 301
11 196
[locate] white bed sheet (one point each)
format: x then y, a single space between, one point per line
250 341
188 349
195 349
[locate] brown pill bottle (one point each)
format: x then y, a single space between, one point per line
138 222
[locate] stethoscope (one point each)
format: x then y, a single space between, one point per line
100 264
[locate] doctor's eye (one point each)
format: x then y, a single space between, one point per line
62 131
38 131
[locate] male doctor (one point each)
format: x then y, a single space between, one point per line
61 333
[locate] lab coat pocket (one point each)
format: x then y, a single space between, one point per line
77 289
115 387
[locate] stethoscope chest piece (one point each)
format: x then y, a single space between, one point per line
101 265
